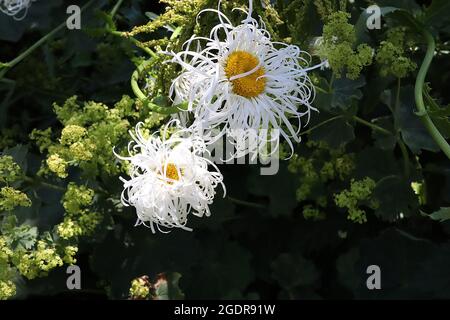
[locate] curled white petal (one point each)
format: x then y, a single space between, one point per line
217 109
15 8
164 200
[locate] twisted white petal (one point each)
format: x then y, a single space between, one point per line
217 105
169 178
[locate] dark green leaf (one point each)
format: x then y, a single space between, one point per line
411 268
281 200
384 141
412 129
443 214
335 133
341 94
291 271
362 33
438 13
396 197
19 154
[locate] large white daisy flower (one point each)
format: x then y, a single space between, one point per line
169 177
241 83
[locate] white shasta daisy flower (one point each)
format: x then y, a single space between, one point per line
169 178
241 83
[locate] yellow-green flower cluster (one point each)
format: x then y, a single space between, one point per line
72 134
82 151
391 55
69 255
69 229
8 137
360 193
79 220
344 165
42 138
90 131
5 252
140 289
11 198
177 14
7 289
57 165
30 263
338 47
39 262
84 224
316 169
305 167
76 198
311 213
9 170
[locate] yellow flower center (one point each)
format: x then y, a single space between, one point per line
171 172
240 62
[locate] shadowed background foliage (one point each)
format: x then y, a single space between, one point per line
351 196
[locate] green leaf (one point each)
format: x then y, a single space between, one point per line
166 287
411 268
407 5
19 154
335 133
396 197
340 95
107 19
411 127
24 237
281 200
439 115
224 270
291 271
375 163
362 33
384 141
437 14
443 214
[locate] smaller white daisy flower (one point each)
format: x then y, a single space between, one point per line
169 177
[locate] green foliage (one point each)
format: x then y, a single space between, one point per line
360 192
366 185
391 54
338 45
9 170
11 198
443 214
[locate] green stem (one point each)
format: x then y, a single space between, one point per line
321 89
371 125
136 42
405 156
246 203
37 44
418 93
44 184
115 8
403 149
397 95
321 124
392 176
144 99
330 85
